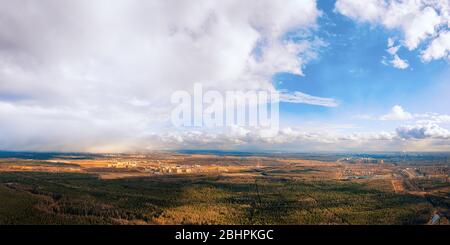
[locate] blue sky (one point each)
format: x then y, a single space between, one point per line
354 75
350 70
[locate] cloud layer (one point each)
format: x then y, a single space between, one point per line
81 75
77 74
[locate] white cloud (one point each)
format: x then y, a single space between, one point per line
361 10
420 21
116 63
426 118
390 42
439 48
369 136
299 97
423 132
297 140
399 63
292 138
397 113
396 61
393 49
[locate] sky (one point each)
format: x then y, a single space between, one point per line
97 76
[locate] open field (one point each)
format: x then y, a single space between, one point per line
172 188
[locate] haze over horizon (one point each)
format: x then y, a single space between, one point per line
97 76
